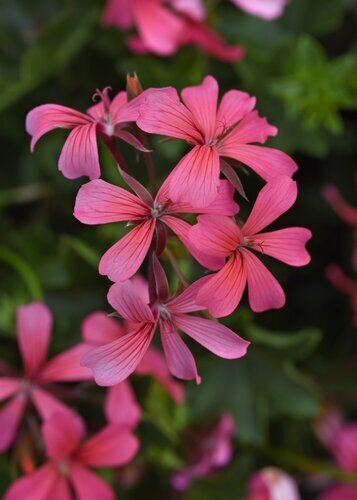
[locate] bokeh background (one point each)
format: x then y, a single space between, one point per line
303 70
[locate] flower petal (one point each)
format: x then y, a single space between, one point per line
128 303
276 197
339 492
186 301
213 336
99 329
195 9
114 362
66 366
87 485
124 258
34 324
99 202
264 291
347 212
36 486
234 105
62 433
10 415
121 406
266 9
46 404
79 155
8 387
118 13
252 128
216 235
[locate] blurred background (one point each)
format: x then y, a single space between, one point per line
303 70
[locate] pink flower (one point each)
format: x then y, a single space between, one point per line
215 133
271 483
209 451
106 119
99 202
222 237
99 329
34 323
115 361
66 475
266 9
345 285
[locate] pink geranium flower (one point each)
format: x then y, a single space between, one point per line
34 323
67 474
222 237
99 202
115 361
215 133
344 284
209 451
271 483
105 119
266 9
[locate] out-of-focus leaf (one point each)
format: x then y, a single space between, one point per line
82 249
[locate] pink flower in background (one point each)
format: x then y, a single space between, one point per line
226 131
99 202
34 323
79 154
266 9
271 483
114 362
208 451
99 329
222 237
345 285
67 474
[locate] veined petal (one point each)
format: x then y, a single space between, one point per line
35 486
34 324
62 433
186 301
266 162
99 329
287 245
216 235
266 9
276 197
8 387
79 155
114 362
201 100
124 298
113 446
223 292
264 291
252 128
234 105
46 404
10 415
87 485
124 258
195 179
213 336
99 202
121 406
66 366
47 117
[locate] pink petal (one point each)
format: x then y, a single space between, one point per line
264 291
162 113
79 155
340 492
287 245
223 292
234 105
61 489
347 212
46 404
99 202
216 235
118 13
266 9
124 258
62 433
186 301
266 162
276 197
113 446
36 486
99 329
125 300
141 288
154 363
159 29
89 486
8 387
10 415
182 229
179 358
130 139
201 100
195 9
252 128
121 406
66 366
34 324
213 336
114 362
274 484
47 117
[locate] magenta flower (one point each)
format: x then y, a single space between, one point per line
215 133
115 361
98 330
271 483
222 237
67 474
34 323
344 284
99 202
266 9
208 451
106 119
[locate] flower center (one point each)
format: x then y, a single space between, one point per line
157 210
63 467
164 313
